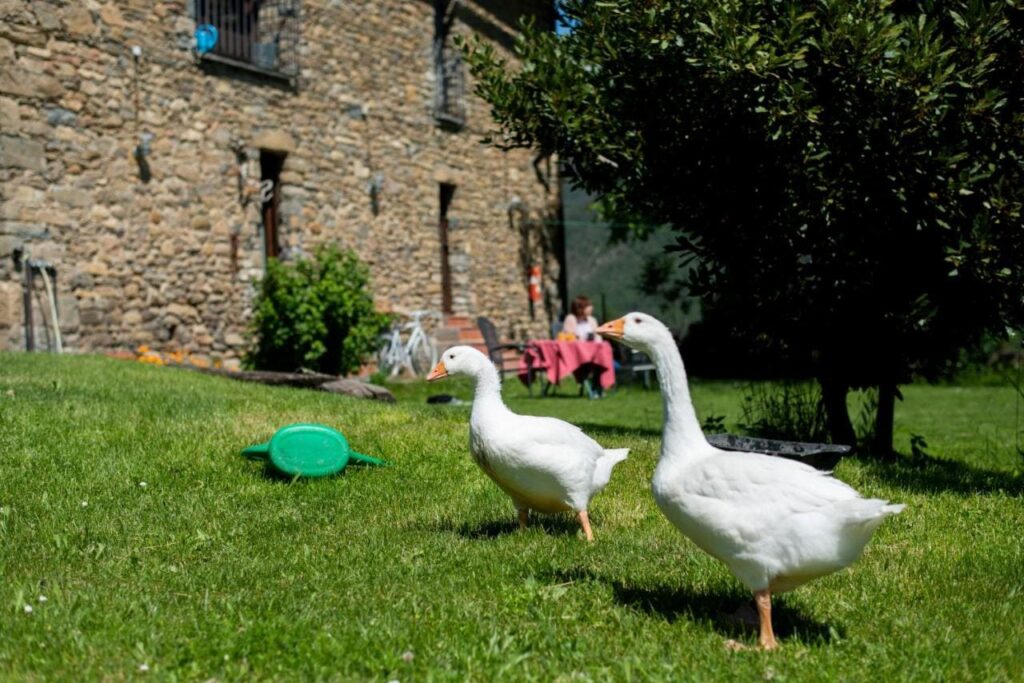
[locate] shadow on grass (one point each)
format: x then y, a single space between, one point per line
556 525
719 609
730 612
927 474
269 474
615 430
264 471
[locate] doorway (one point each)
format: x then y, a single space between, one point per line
447 194
271 164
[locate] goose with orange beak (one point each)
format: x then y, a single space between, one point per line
541 463
775 523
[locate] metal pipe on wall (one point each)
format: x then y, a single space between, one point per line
29 268
30 336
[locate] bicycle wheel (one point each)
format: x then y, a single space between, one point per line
386 358
423 354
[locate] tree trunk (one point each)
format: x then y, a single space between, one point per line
882 443
833 395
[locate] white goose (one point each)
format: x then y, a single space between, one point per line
542 463
775 523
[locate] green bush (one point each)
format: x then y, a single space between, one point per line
316 314
787 410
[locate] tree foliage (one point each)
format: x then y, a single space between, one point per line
316 314
849 174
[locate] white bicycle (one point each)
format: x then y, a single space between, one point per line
417 354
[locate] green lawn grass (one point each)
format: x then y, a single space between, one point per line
416 572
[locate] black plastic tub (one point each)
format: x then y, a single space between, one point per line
822 456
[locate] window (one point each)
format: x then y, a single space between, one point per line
449 95
261 35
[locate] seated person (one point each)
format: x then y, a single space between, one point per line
581 322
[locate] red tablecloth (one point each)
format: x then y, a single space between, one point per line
559 359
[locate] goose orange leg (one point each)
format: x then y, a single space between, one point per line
764 611
585 523
524 517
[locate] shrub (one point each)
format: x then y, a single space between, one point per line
785 410
316 314
865 424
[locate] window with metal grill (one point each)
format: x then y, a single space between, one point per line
259 35
450 90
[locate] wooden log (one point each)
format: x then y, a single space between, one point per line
308 380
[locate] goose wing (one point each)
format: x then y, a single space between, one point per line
731 501
550 432
761 484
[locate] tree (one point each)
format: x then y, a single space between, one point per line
848 174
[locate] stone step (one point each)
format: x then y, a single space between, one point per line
459 321
471 337
459 329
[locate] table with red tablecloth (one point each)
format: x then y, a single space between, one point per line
559 359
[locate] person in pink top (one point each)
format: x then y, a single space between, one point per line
582 324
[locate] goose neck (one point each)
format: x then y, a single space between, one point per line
488 388
682 431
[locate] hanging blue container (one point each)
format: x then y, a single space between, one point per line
206 38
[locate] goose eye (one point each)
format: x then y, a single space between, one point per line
451 356
637 320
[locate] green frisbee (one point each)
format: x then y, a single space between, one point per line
308 450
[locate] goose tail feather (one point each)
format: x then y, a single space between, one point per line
604 465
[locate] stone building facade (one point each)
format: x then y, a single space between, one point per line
157 180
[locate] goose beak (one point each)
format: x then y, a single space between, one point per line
439 372
613 329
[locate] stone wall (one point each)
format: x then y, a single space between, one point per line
163 249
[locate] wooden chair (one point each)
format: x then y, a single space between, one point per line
496 350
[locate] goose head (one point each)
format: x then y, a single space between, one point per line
637 330
460 360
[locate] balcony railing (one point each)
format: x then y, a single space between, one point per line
262 35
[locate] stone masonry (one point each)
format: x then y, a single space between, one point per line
163 247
